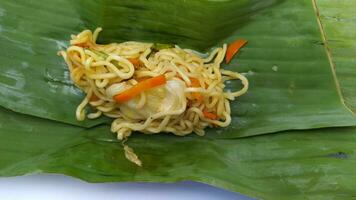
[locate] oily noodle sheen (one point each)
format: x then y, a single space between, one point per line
95 68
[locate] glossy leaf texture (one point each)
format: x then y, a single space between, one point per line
314 164
339 24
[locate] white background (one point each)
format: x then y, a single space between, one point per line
58 187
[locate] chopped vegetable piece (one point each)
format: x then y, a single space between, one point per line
94 98
135 61
233 48
210 115
140 87
196 95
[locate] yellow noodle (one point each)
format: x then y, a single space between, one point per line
106 70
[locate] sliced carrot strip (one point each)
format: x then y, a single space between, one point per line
233 48
94 98
135 61
195 82
210 115
196 95
139 88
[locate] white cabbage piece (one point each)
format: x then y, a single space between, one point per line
169 97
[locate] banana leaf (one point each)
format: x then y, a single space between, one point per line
338 24
318 164
283 61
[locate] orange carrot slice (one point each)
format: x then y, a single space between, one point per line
94 98
194 83
139 88
135 61
196 95
210 115
233 48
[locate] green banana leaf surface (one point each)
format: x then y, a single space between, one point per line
339 25
293 86
294 165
